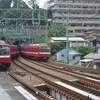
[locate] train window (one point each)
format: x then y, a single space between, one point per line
5 50
41 49
0 51
48 49
44 49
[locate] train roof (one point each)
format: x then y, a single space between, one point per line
2 42
37 44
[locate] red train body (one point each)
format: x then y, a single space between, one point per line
14 51
39 52
7 52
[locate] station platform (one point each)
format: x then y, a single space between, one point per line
7 92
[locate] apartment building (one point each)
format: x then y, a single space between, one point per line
79 16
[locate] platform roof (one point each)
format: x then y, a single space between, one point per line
86 60
65 38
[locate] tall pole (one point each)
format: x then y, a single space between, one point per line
77 44
46 34
67 39
17 4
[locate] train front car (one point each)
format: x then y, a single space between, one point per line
5 57
44 52
37 52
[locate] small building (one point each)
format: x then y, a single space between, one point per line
87 61
91 60
73 55
90 36
72 41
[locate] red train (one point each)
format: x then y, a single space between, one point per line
7 53
14 52
38 52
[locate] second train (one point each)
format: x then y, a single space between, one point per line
39 52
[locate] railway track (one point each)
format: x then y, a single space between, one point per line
71 68
89 80
41 95
75 69
93 91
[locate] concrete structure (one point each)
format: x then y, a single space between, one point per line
79 15
91 60
81 92
73 41
96 60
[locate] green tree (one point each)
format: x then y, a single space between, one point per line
83 50
8 3
2 37
40 39
21 3
56 47
16 14
5 3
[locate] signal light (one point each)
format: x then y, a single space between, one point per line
49 13
94 42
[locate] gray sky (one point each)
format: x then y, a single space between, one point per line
41 2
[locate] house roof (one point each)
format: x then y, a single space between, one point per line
89 56
70 52
65 38
73 61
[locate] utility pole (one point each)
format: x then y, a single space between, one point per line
67 39
47 34
17 4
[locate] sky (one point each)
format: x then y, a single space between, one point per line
41 2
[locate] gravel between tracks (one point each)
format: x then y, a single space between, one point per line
27 77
